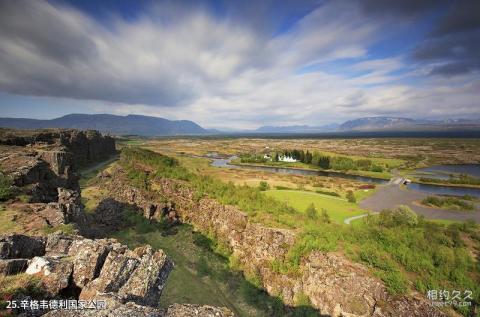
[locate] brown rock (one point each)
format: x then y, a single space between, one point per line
21 246
145 284
58 243
187 310
54 272
89 256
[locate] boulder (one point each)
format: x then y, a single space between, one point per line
55 273
117 269
58 243
12 266
21 246
88 258
145 284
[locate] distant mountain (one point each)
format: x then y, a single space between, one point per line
375 123
107 123
407 124
297 129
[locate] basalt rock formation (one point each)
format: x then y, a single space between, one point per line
130 282
43 166
334 285
85 146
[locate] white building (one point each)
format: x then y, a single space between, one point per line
287 159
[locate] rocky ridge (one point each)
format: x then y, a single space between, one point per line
43 166
129 281
333 284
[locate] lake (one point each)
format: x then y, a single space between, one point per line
444 171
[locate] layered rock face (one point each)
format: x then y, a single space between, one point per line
43 164
130 282
333 284
86 146
92 269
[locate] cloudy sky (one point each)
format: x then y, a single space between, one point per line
241 64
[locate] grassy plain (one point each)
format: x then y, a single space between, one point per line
337 208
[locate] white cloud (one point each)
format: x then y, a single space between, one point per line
190 64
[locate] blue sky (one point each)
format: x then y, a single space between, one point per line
241 64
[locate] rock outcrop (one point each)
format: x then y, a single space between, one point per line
334 285
89 269
85 146
43 166
133 310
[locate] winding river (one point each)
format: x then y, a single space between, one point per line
426 188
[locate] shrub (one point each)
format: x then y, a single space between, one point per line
324 192
402 215
6 190
448 202
325 217
311 211
351 197
263 186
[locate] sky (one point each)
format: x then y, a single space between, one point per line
241 64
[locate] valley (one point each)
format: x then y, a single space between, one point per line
265 243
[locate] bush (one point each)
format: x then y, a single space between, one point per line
6 190
263 186
448 202
402 215
325 217
311 211
324 192
351 197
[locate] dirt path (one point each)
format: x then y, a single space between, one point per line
391 195
348 220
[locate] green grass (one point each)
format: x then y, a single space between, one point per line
448 203
202 276
7 224
337 208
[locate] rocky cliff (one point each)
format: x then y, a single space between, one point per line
43 167
129 282
333 284
85 146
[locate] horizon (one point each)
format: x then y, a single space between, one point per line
225 65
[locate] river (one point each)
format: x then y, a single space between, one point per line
433 189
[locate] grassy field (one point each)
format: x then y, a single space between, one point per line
337 208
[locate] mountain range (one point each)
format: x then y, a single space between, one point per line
155 126
107 123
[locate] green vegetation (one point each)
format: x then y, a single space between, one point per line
6 190
201 275
68 229
325 192
252 158
263 186
460 180
327 162
351 197
7 222
338 209
19 286
404 250
448 203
